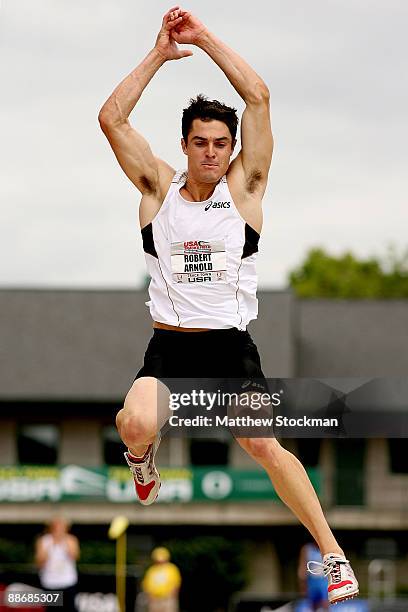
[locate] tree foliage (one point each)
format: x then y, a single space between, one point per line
346 276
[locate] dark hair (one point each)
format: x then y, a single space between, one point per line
206 110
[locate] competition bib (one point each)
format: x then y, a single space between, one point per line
199 261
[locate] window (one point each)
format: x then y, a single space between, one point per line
398 455
308 451
209 452
38 444
349 484
113 447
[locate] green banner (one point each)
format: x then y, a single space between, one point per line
114 484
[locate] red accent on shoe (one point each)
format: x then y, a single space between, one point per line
344 598
139 459
144 490
332 587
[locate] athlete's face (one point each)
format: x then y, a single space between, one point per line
58 527
209 147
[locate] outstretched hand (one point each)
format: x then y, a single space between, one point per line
166 41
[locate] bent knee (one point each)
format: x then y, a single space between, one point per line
263 450
133 426
138 419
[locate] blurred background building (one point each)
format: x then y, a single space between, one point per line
68 358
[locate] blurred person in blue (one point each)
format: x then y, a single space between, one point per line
56 554
313 587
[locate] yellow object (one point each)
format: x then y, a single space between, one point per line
117 531
118 526
161 580
160 554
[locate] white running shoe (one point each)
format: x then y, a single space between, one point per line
342 581
145 474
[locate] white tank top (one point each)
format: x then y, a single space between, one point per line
201 259
59 571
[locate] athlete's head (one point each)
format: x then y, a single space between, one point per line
58 526
209 131
160 554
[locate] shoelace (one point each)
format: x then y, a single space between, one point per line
329 567
149 464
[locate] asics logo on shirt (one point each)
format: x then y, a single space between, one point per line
217 205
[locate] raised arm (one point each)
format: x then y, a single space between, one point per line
132 151
255 157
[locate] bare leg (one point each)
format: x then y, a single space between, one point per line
145 411
293 486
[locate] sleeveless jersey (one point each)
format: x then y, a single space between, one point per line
201 259
59 571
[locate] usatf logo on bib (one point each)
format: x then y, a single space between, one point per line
198 261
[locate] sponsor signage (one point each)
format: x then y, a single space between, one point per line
19 484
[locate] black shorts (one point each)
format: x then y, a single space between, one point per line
224 361
213 354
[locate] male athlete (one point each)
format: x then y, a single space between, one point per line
200 232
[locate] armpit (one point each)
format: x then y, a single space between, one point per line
253 180
147 185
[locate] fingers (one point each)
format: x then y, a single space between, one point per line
175 8
168 16
183 54
173 14
171 24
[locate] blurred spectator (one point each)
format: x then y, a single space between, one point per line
161 583
312 587
56 553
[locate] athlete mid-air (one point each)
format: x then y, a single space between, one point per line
200 230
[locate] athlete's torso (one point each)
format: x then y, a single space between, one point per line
201 259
